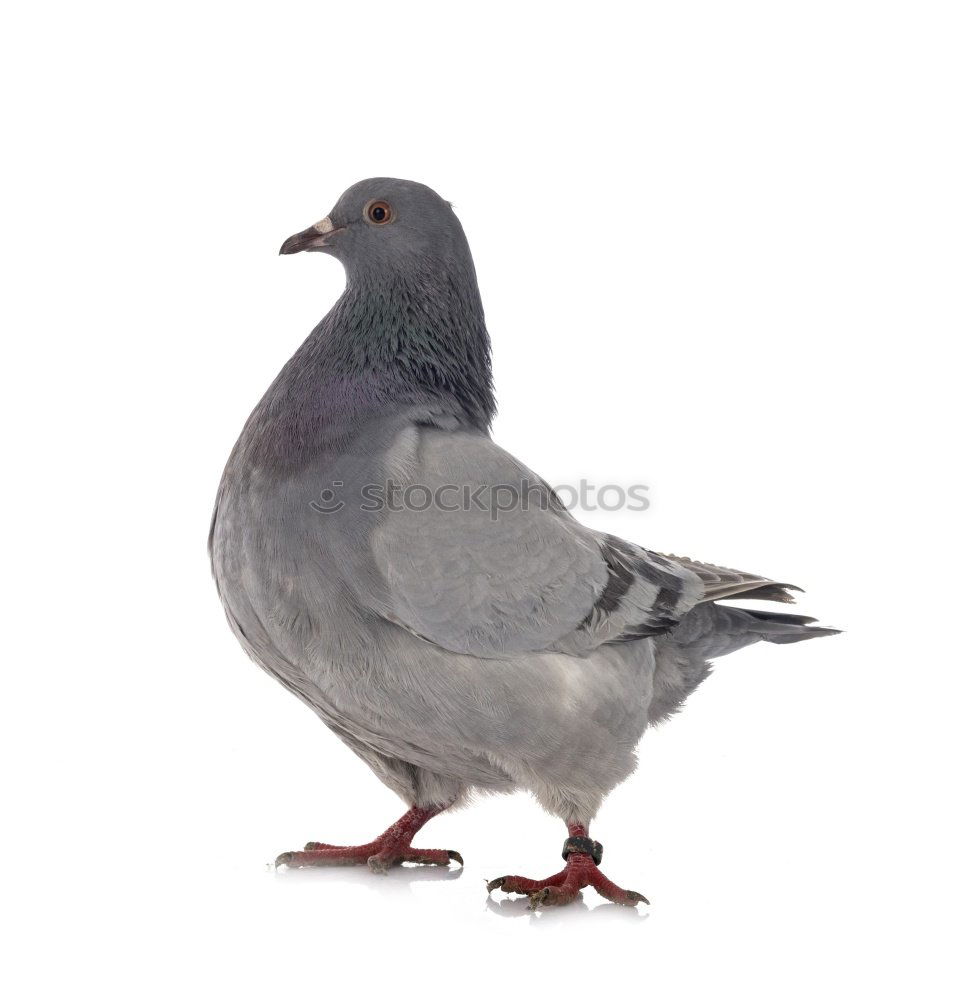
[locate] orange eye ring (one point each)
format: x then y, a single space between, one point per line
379 213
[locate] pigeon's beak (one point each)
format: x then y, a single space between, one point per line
315 237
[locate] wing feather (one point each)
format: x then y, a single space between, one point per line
720 583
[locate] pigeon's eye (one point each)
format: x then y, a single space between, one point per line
379 212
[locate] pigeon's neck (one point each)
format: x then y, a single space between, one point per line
396 340
414 334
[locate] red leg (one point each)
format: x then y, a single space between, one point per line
579 872
392 847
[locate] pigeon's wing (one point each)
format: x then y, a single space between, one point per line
483 559
721 583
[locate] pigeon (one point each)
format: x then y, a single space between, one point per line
425 593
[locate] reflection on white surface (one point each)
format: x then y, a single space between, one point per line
402 881
513 906
397 881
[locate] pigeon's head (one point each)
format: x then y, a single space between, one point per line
384 224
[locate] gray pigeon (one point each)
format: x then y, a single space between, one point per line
425 593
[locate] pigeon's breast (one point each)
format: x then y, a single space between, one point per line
290 549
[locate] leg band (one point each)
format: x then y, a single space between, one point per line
583 845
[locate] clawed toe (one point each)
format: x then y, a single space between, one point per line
323 856
416 856
524 886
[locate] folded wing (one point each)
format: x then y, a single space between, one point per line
488 562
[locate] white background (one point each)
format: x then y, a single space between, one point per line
718 247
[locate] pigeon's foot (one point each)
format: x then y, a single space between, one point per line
391 848
376 855
582 856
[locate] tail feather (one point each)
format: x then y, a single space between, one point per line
711 630
774 626
683 655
